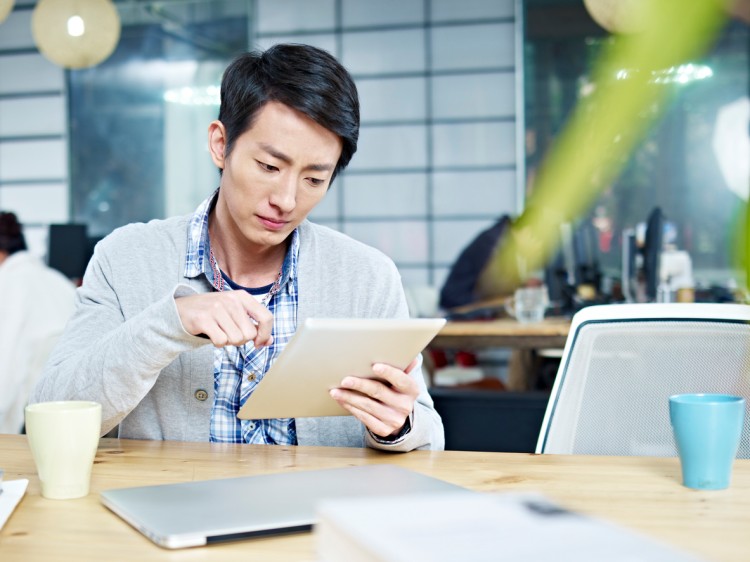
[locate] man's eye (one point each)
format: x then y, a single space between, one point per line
316 181
267 167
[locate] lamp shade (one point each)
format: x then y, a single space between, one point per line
618 16
5 8
76 33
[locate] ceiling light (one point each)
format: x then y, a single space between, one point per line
6 6
76 33
618 16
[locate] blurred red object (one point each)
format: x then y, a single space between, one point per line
466 359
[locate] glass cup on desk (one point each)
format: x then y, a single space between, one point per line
63 437
528 304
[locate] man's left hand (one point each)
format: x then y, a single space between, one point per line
384 403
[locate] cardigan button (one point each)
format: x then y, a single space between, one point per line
201 394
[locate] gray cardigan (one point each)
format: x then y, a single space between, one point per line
126 348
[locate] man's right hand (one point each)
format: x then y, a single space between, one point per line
226 318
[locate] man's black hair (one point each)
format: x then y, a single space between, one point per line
302 77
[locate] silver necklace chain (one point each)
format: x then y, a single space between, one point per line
219 279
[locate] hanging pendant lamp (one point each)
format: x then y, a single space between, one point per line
6 7
76 33
618 16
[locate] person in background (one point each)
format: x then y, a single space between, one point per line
35 304
178 320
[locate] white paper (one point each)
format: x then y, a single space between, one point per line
477 527
13 491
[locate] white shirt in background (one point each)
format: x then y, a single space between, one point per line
35 304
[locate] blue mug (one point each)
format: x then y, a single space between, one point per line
707 430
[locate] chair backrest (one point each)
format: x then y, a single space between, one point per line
622 362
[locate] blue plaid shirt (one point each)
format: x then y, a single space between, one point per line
238 370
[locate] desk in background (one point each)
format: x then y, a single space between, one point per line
640 493
525 341
504 332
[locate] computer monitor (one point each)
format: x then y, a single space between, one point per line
68 249
629 265
586 255
575 263
652 247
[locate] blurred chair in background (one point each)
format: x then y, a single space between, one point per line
35 304
460 287
621 364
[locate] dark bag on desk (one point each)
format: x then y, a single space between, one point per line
459 288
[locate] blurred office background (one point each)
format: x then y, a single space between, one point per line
460 101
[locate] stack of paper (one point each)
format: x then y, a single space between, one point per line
12 492
476 527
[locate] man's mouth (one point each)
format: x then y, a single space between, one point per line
272 224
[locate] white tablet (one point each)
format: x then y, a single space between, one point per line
325 350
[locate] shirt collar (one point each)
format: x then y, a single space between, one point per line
198 246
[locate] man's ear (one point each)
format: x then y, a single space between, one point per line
217 142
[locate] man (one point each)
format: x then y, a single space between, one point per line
35 304
241 273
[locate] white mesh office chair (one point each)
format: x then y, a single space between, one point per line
622 362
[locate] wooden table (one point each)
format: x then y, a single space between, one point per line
640 493
504 332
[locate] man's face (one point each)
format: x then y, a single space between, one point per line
278 170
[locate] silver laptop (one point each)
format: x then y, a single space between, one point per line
209 511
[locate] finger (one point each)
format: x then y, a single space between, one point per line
216 335
374 388
243 323
397 378
396 406
376 426
262 317
228 325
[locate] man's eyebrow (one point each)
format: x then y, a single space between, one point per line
287 160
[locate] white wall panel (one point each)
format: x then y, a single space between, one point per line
322 41
36 203
29 73
474 144
491 193
294 15
328 208
439 275
33 160
15 32
358 13
390 147
402 241
457 10
414 276
385 195
32 116
384 51
473 46
474 96
391 99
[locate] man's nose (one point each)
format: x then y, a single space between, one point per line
285 195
